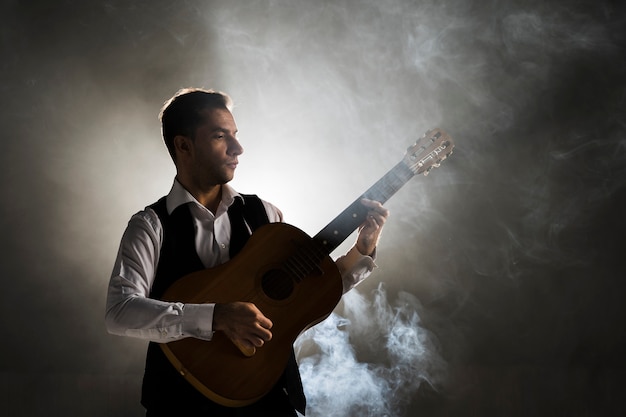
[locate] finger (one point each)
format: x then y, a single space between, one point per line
253 337
380 211
371 204
374 221
375 207
369 225
371 222
264 322
378 218
260 338
259 317
257 342
263 334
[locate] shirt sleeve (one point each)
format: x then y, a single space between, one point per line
274 215
355 267
129 309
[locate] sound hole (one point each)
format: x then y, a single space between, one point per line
277 284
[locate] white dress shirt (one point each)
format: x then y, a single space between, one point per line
130 311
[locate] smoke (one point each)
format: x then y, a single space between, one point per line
370 359
516 239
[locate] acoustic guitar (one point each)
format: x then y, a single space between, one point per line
291 278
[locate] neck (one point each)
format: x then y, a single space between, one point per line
209 197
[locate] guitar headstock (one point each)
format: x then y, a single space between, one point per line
428 152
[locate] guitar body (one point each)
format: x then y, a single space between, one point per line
282 272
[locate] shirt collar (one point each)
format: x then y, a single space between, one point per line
178 196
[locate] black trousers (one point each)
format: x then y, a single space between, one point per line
274 404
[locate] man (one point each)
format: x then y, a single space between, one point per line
192 228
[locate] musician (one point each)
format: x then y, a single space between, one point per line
199 225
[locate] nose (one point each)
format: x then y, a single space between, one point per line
234 147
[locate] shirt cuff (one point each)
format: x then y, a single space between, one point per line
354 257
198 320
355 267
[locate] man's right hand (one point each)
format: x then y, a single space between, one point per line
243 323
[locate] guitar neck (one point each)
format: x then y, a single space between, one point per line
338 230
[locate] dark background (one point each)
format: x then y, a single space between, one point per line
500 284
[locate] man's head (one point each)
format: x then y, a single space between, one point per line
184 113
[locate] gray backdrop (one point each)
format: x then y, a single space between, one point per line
500 284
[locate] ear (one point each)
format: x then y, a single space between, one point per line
182 145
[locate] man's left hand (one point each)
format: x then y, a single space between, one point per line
369 231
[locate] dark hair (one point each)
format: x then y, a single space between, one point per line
182 114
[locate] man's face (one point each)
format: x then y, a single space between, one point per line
215 148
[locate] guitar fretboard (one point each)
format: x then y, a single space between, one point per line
338 230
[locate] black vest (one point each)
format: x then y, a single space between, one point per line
163 388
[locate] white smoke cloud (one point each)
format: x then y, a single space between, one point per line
370 359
